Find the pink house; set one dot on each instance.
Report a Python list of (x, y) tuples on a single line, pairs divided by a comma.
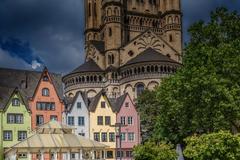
[(130, 134)]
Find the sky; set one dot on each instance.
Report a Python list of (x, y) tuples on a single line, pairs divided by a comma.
[(37, 33)]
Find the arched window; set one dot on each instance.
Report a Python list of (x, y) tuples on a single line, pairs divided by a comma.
[(176, 20), (109, 59), (170, 20), (139, 89), (170, 38), (89, 10), (110, 32), (112, 58), (45, 92), (95, 10)]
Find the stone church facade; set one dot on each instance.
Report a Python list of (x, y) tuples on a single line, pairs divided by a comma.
[(130, 45)]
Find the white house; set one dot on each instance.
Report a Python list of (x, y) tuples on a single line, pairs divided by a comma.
[(77, 115)]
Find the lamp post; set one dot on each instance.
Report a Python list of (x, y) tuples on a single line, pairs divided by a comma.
[(118, 127)]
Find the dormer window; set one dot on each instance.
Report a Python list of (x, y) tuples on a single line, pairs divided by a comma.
[(45, 78), (15, 102), (45, 92)]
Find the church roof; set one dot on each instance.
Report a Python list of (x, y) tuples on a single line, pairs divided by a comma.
[(150, 55), (99, 45), (27, 80), (89, 66)]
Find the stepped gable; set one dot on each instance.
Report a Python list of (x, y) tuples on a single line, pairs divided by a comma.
[(150, 55), (89, 66), (27, 80)]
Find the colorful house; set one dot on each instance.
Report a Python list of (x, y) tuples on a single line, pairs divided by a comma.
[(77, 114), (15, 119), (46, 104), (130, 131), (102, 119)]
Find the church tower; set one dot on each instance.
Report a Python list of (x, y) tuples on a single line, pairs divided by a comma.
[(92, 19), (171, 22)]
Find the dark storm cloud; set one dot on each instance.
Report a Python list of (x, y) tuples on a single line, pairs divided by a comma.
[(53, 29)]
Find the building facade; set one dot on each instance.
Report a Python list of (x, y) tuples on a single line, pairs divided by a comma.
[(45, 104), (102, 117), (130, 132), (130, 45), (15, 119), (77, 114)]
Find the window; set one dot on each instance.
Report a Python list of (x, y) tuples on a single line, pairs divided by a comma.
[(126, 104), (73, 156), (81, 121), (107, 120), (45, 78), (170, 38), (104, 137), (100, 120), (45, 106), (118, 154), (130, 120), (79, 105), (71, 121), (96, 136), (45, 92), (53, 118), (81, 134), (39, 120), (129, 154), (7, 135), (109, 154), (15, 102), (123, 120), (15, 118), (89, 9), (103, 105), (110, 32), (131, 137), (123, 136), (22, 155), (111, 137), (140, 89), (22, 135)]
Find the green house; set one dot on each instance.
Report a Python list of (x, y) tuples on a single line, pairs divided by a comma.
[(15, 119)]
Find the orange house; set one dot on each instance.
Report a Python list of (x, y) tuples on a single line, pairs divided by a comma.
[(46, 103)]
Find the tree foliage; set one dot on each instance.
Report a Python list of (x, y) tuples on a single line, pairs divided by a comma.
[(204, 95), (151, 151), (222, 145), (149, 110)]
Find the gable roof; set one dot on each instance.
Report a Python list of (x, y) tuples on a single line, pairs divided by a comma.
[(150, 55), (89, 66), (94, 101), (7, 93), (117, 103), (70, 101), (27, 80)]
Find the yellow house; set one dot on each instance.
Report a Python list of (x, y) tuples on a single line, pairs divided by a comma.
[(102, 119)]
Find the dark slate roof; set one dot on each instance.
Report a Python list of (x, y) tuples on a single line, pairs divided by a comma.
[(117, 103), (150, 55), (99, 45), (89, 66), (70, 101), (94, 101), (27, 81), (7, 92), (111, 68)]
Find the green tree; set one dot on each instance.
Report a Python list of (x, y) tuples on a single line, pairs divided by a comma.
[(149, 110), (151, 151), (204, 95), (222, 145)]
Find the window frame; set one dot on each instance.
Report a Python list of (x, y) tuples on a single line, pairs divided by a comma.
[(16, 104), (19, 135), (45, 92), (11, 135)]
